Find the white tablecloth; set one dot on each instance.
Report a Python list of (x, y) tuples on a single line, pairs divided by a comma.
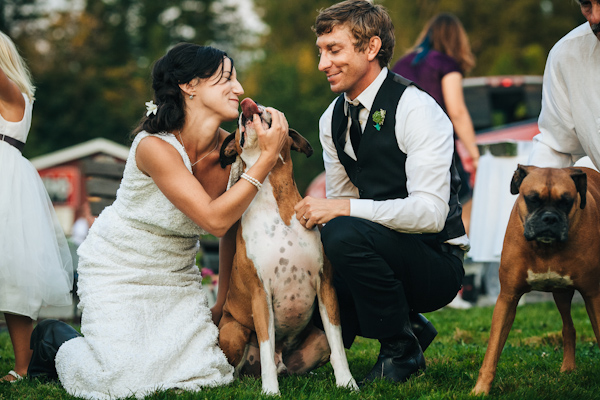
[(493, 202)]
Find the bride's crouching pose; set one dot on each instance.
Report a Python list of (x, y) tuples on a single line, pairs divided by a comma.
[(145, 322)]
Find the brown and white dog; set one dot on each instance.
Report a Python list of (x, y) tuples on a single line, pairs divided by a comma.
[(552, 245), (279, 274)]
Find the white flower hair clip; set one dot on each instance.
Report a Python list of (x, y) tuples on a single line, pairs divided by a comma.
[(151, 108)]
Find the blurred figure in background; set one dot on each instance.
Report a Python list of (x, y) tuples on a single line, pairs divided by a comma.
[(35, 263), (82, 224), (437, 63)]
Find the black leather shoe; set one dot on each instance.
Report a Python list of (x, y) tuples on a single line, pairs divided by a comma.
[(398, 360), (423, 329)]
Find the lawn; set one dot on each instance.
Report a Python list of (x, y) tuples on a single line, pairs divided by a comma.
[(528, 369)]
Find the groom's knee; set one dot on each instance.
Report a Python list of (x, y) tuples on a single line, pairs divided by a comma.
[(340, 237)]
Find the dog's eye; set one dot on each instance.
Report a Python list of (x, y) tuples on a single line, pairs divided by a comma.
[(565, 203), (533, 200)]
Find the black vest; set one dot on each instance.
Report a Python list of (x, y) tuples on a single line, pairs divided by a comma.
[(379, 151)]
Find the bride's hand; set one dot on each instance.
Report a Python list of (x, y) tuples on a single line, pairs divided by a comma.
[(273, 139)]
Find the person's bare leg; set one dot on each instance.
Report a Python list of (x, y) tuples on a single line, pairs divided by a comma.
[(19, 329), (466, 214)]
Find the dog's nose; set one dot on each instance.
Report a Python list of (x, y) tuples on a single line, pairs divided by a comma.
[(549, 218)]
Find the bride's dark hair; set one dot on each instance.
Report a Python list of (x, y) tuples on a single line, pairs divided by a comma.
[(181, 64)]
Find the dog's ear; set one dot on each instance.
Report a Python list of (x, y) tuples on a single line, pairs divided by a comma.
[(520, 174), (228, 151), (580, 179), (299, 143)]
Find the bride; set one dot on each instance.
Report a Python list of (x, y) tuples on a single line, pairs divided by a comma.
[(145, 322)]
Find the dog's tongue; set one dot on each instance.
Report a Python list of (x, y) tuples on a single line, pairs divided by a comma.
[(249, 108)]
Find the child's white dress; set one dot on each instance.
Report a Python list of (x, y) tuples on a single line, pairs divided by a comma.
[(36, 268), (145, 321)]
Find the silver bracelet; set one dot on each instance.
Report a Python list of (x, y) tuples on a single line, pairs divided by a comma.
[(252, 180)]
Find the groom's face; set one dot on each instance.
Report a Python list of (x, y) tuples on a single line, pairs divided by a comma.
[(345, 66)]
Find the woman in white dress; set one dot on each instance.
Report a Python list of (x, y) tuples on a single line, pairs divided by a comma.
[(145, 322), (35, 264)]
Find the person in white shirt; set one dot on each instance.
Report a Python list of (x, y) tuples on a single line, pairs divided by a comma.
[(569, 122), (82, 224), (393, 229)]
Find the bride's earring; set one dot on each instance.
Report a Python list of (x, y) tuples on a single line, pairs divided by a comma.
[(191, 96)]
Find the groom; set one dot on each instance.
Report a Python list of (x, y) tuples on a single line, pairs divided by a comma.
[(393, 228)]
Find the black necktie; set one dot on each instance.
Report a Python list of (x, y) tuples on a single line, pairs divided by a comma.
[(355, 131)]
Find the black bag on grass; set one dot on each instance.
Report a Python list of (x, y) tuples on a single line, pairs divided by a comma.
[(46, 338)]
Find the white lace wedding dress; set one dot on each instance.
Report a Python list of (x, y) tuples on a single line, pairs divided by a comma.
[(145, 322)]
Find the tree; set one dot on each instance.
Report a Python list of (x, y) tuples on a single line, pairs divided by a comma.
[(506, 37), (92, 66)]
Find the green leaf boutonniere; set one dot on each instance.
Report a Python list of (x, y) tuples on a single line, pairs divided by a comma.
[(378, 118)]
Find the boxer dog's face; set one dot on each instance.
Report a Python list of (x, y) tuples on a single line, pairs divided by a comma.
[(547, 205)]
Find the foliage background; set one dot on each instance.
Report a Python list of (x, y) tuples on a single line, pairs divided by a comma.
[(91, 60)]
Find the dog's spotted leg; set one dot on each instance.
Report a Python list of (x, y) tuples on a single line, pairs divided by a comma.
[(563, 303), (313, 352), (233, 340), (264, 323), (251, 366), (329, 310)]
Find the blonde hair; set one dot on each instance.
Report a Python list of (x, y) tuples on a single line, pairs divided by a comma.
[(447, 35), (14, 66)]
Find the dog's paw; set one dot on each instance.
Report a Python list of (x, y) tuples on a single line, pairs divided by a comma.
[(270, 386), (269, 392), (348, 384)]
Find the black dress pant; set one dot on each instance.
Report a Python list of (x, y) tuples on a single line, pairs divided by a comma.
[(380, 275)]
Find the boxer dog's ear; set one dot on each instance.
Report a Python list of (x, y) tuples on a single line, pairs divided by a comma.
[(228, 151), (300, 144), (580, 179), (518, 176)]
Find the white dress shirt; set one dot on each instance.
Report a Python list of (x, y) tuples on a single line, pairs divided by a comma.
[(424, 133), (570, 118)]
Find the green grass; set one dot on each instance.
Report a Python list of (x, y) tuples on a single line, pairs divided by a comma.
[(528, 368)]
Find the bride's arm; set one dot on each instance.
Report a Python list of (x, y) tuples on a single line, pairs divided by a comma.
[(226, 252), (163, 163)]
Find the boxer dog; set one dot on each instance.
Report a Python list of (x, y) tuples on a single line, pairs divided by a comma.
[(551, 245), (279, 274)]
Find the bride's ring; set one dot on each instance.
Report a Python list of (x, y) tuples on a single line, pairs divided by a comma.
[(306, 219)]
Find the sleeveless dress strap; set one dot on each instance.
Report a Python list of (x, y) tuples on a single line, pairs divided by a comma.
[(167, 137)]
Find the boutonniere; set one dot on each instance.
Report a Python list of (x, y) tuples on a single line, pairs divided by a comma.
[(378, 118), (151, 108)]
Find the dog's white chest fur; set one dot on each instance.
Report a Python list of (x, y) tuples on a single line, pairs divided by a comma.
[(547, 281), (288, 260)]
